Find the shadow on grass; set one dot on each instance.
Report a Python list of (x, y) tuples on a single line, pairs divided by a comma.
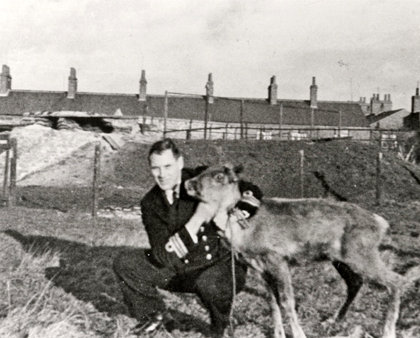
[(86, 272)]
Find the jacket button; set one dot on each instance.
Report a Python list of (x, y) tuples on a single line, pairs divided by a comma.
[(204, 238), (186, 261), (202, 229), (207, 248), (208, 256)]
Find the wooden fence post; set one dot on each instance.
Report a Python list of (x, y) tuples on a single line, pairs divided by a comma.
[(165, 114), (312, 123), (378, 179), (241, 119), (302, 158), (280, 120), (206, 119), (96, 179), (339, 123), (13, 168), (6, 176)]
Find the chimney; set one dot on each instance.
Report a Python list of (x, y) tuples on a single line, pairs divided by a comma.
[(375, 104), (5, 81), (313, 94), (209, 90), (272, 91), (71, 94), (364, 106), (415, 101), (143, 86), (387, 104)]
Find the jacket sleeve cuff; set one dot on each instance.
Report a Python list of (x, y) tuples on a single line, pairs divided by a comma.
[(180, 243)]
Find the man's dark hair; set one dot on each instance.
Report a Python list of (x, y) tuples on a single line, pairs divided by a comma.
[(166, 144)]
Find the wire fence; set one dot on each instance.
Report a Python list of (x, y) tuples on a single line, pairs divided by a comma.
[(390, 139)]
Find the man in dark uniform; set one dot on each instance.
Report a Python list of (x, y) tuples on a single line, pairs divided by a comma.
[(183, 257)]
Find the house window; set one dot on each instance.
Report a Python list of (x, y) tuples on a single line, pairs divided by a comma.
[(389, 141), (297, 135)]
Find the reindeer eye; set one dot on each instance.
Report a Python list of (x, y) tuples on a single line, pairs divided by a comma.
[(247, 193), (219, 177)]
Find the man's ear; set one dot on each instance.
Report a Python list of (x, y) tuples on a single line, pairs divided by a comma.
[(181, 162)]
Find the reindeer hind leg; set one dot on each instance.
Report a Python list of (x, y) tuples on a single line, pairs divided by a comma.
[(353, 281), (369, 265)]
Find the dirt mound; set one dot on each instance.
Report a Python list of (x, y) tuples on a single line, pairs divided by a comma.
[(344, 169)]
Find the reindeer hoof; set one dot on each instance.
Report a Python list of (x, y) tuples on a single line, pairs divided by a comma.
[(328, 322), (357, 332)]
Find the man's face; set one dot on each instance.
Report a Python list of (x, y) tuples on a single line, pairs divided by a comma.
[(166, 169)]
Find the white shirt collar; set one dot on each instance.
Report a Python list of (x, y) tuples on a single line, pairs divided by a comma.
[(170, 193)]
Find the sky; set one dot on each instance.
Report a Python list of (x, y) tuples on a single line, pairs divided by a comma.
[(353, 48)]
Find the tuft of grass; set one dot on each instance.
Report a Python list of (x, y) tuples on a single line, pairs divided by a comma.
[(32, 307)]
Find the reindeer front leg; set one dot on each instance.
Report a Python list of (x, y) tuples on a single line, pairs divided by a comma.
[(287, 298), (274, 304)]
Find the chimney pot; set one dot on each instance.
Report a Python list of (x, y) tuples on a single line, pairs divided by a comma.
[(5, 81), (71, 94), (272, 91), (313, 90), (415, 101), (143, 86), (210, 89)]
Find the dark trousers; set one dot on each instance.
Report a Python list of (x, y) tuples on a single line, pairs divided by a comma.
[(213, 285)]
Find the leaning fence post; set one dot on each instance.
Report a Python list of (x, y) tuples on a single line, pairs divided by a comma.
[(378, 179), (302, 157), (13, 168), (96, 178)]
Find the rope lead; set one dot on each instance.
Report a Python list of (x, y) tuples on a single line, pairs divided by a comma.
[(232, 255)]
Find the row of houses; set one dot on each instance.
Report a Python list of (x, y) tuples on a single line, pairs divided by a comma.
[(270, 112)]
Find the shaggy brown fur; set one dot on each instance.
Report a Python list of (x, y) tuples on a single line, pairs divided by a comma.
[(286, 229)]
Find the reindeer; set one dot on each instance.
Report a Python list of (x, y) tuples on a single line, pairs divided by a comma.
[(310, 228)]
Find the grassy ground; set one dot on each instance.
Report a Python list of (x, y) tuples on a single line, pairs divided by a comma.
[(56, 277), (57, 269)]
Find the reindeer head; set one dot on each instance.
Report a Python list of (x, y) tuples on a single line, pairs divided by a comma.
[(216, 186)]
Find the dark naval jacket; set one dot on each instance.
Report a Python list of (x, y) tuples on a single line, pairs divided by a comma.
[(171, 244)]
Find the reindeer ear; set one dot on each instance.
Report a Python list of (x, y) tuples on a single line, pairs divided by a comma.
[(238, 169), (229, 170)]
